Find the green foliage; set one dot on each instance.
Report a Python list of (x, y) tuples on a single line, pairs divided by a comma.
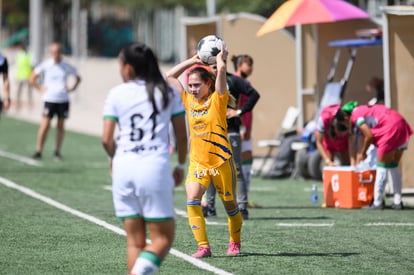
[(262, 7)]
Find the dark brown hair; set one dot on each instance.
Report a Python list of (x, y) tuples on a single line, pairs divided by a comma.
[(240, 59), (145, 65)]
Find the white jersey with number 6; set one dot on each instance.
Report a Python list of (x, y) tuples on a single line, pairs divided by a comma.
[(141, 130), (142, 183)]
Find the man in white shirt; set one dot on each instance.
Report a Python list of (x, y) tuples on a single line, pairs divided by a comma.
[(55, 91)]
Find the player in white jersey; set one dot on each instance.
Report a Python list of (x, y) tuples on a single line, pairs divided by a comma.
[(142, 184), (55, 92)]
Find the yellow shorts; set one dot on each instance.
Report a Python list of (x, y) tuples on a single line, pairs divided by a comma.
[(223, 177)]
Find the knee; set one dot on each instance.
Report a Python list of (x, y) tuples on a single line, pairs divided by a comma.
[(136, 243), (230, 205), (194, 191), (164, 241)]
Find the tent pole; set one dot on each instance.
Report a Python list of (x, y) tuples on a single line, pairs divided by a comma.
[(299, 73), (386, 60)]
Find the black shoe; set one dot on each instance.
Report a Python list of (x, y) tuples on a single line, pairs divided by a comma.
[(209, 211), (204, 209), (37, 155), (372, 206), (245, 214), (57, 156), (399, 206)]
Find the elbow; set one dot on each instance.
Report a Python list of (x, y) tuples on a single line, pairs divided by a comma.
[(105, 145), (106, 142), (31, 81)]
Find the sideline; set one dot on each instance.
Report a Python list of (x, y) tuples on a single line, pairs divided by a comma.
[(389, 224), (25, 160), (305, 224), (198, 263)]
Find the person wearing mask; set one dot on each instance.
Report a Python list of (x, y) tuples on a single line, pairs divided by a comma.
[(243, 68)]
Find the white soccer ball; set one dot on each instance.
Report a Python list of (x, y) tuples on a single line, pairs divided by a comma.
[(208, 48)]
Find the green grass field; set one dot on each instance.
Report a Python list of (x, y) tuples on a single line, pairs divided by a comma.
[(57, 218)]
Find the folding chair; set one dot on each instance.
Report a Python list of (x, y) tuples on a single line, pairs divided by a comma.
[(288, 126)]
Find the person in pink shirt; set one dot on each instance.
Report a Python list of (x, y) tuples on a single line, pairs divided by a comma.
[(389, 132), (327, 142)]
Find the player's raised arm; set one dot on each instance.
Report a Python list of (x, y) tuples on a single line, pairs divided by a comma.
[(173, 74), (221, 83)]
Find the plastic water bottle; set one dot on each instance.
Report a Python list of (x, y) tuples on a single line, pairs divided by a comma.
[(314, 195)]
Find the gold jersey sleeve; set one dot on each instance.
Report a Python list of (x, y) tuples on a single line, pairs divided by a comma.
[(209, 142)]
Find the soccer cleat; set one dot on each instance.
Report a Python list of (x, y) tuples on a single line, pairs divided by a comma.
[(202, 252), (399, 206), (57, 156), (234, 249), (252, 204), (245, 214), (209, 211), (37, 155), (372, 206)]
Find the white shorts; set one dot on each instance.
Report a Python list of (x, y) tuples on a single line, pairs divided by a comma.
[(142, 187), (247, 145)]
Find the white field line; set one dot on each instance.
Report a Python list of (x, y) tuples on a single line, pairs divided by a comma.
[(107, 187), (305, 224), (179, 212), (19, 158), (198, 263), (390, 224), (263, 188)]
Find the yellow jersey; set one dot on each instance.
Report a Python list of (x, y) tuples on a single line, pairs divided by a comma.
[(209, 142), (24, 65)]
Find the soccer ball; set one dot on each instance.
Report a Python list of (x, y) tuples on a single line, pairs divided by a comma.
[(208, 48)]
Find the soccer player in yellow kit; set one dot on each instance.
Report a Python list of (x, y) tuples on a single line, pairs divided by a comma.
[(210, 150)]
